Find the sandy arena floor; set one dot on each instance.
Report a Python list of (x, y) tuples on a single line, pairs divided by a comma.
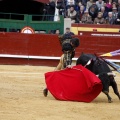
[(21, 98)]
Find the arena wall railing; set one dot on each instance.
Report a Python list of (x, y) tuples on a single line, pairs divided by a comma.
[(39, 23), (45, 49)]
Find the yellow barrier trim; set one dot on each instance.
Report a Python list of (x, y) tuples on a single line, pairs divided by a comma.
[(76, 29)]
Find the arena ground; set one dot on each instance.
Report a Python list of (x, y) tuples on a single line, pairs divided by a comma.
[(21, 98)]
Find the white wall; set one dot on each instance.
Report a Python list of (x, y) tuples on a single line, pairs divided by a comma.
[(67, 23)]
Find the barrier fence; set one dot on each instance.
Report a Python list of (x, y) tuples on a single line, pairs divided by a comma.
[(13, 22), (44, 49)]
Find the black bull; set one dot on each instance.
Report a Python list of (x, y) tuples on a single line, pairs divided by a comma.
[(100, 68)]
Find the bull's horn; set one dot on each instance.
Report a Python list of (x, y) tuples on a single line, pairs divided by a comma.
[(88, 63), (110, 73), (97, 75)]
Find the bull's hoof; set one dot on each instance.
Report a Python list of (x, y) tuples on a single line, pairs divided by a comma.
[(110, 101), (119, 97), (45, 92)]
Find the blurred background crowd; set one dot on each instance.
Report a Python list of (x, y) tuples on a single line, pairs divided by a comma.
[(85, 11)]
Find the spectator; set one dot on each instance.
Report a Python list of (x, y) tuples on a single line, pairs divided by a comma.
[(99, 19), (77, 7), (118, 5), (68, 32), (79, 14), (114, 13), (105, 6), (51, 32), (109, 19), (83, 2), (70, 3), (71, 13), (77, 1), (115, 1), (50, 10), (100, 3), (66, 36), (109, 5), (114, 5), (86, 18), (117, 21), (57, 32), (89, 3), (93, 10), (105, 14), (60, 6)]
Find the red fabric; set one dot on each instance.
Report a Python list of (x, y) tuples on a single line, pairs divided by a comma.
[(73, 84), (42, 1)]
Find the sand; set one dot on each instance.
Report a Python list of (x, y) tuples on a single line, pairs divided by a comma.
[(21, 98)]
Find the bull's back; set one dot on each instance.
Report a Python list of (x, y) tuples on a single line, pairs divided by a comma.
[(97, 66), (101, 67)]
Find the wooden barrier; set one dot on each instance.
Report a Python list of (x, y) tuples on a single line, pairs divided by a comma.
[(44, 49), (77, 27)]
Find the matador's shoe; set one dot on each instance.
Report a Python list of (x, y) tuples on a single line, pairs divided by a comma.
[(45, 92)]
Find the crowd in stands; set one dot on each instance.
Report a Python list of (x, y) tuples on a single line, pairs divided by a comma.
[(57, 32), (86, 11)]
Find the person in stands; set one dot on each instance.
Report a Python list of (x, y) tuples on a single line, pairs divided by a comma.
[(89, 3), (100, 3), (57, 32), (69, 3), (110, 20), (118, 5), (99, 19), (93, 10), (108, 5), (79, 14), (114, 13), (50, 10), (105, 14), (71, 13), (117, 21), (68, 31), (86, 18)]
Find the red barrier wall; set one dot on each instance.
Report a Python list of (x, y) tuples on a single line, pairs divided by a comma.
[(48, 45), (29, 44)]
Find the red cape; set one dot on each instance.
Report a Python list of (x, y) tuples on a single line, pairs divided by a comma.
[(73, 84)]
